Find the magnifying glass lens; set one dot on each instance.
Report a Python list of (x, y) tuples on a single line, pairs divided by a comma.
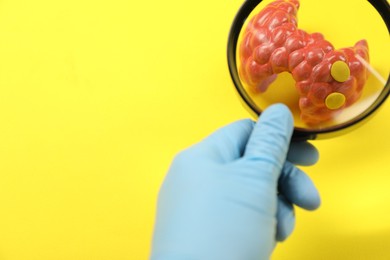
[(328, 61)]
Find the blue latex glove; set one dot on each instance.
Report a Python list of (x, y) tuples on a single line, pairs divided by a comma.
[(231, 196)]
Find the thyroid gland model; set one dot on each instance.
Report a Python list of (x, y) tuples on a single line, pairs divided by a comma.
[(327, 80)]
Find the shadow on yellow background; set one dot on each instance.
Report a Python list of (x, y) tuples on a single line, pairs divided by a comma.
[(97, 97)]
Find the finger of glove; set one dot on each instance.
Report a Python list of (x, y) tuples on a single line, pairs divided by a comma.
[(270, 138), (227, 143), (302, 153), (285, 219), (298, 188)]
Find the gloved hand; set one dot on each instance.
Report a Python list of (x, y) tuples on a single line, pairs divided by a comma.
[(231, 196)]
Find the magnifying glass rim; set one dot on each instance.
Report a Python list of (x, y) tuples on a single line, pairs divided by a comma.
[(382, 7)]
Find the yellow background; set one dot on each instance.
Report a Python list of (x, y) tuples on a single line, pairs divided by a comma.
[(96, 97)]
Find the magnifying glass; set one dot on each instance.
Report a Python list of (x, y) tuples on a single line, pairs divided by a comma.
[(328, 61)]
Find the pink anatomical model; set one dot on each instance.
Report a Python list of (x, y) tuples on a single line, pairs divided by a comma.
[(327, 80)]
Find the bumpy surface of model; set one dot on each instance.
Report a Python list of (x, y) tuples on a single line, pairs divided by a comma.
[(327, 80)]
